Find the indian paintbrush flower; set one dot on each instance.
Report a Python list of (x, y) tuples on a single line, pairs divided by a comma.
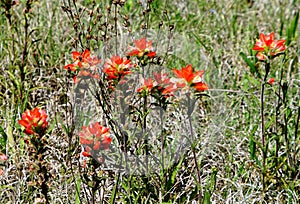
[(83, 65), (142, 48), (147, 87), (188, 78), (34, 121), (268, 47), (117, 67), (94, 137)]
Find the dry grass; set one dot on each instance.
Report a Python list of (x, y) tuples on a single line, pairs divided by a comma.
[(210, 35)]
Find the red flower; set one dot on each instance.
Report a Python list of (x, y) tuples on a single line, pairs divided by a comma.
[(82, 60), (147, 87), (162, 79), (200, 86), (263, 42), (85, 58), (267, 46), (261, 56), (271, 81), (142, 47), (106, 142), (87, 152), (117, 67), (164, 85), (277, 47), (3, 157), (190, 78), (71, 67), (34, 121), (94, 137)]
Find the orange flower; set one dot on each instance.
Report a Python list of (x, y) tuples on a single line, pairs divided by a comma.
[(164, 85), (34, 121), (271, 81), (261, 56), (117, 67), (85, 58), (200, 86), (94, 137), (147, 87), (190, 78), (82, 60), (162, 79), (267, 46), (71, 67), (185, 73), (264, 41), (142, 47), (87, 152)]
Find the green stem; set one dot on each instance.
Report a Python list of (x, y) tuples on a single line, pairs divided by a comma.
[(144, 132), (190, 110), (264, 150)]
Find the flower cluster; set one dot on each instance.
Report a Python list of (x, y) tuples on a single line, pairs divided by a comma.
[(142, 48), (34, 121), (188, 78), (117, 67), (83, 65), (161, 86), (268, 47), (94, 138)]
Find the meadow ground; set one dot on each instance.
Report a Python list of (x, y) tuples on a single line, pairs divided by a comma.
[(223, 130)]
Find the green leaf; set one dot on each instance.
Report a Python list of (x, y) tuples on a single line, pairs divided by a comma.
[(10, 138), (251, 64), (114, 192), (77, 198), (3, 139), (51, 127), (291, 30), (206, 198), (252, 149)]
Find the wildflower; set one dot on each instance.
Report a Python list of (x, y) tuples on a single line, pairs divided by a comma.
[(71, 67), (260, 56), (87, 152), (147, 87), (164, 85), (142, 48), (267, 46), (200, 86), (94, 137), (85, 59), (34, 121), (117, 67), (190, 78), (162, 79), (82, 60), (271, 81)]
